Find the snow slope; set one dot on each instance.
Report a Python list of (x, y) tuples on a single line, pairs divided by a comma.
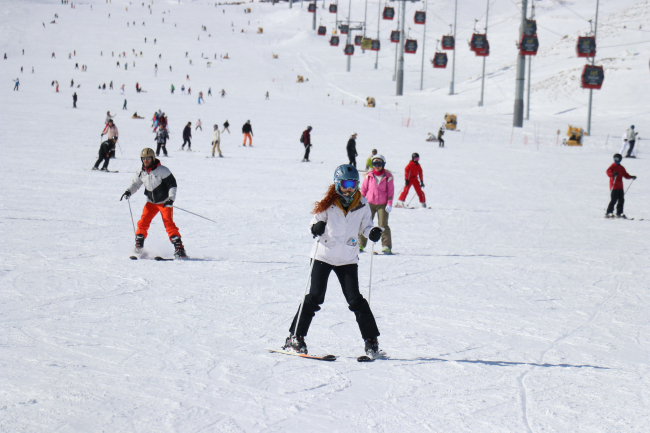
[(511, 306)]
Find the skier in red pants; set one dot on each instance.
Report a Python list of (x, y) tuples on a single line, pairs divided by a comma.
[(413, 177)]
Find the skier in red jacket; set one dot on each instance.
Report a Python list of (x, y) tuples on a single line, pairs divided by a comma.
[(616, 173), (413, 177)]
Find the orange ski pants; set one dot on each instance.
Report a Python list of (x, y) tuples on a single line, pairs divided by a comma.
[(151, 210), (413, 182), (247, 135)]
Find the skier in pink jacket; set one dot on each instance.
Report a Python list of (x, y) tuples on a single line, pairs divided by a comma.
[(378, 189)]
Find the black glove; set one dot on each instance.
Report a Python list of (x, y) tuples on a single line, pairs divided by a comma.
[(422, 184), (375, 234), (318, 229), (407, 182), (169, 203), (633, 177), (615, 174), (126, 195)]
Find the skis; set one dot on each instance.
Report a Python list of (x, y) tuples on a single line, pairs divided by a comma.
[(157, 258), (304, 355), (367, 358), (377, 253), (105, 171)]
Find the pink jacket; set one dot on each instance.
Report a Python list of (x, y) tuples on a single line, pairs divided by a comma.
[(378, 194)]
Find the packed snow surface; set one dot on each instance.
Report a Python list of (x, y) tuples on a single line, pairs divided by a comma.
[(511, 306)]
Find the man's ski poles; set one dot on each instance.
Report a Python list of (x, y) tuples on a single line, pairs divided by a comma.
[(118, 145), (302, 300), (628, 187), (176, 207), (128, 200)]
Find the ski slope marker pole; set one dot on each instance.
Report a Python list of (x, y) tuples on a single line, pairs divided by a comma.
[(302, 300), (128, 200), (176, 207)]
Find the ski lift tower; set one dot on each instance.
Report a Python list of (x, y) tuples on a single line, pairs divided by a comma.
[(518, 120), (346, 25), (400, 61)]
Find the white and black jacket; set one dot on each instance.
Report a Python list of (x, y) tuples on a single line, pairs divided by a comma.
[(159, 183)]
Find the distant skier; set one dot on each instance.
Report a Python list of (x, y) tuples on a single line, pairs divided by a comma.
[(111, 130), (226, 125), (216, 141), (105, 150), (413, 177), (338, 219), (267, 95), (305, 139), (352, 150), (173, 88), (124, 106), (72, 83), (369, 160), (201, 100), (161, 139), (629, 139), (16, 83), (209, 91), (109, 116), (441, 142), (223, 93), (198, 125), (378, 188), (187, 137), (160, 189), (247, 130), (74, 100), (616, 173)]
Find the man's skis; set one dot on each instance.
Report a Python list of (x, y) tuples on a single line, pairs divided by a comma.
[(366, 358), (157, 258), (304, 355)]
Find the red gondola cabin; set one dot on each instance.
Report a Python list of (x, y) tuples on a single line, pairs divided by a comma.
[(530, 28), (334, 41), (311, 7), (410, 46), (586, 46), (389, 13), (420, 17), (344, 29), (357, 40), (478, 43), (448, 43), (592, 77), (440, 60), (376, 45), (528, 45), (349, 50), (322, 30), (334, 8), (394, 36), (484, 53)]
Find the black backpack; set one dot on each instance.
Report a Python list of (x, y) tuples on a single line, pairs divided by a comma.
[(302, 137)]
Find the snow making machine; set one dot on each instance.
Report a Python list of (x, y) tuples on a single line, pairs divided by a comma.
[(575, 135), (370, 102), (450, 121)]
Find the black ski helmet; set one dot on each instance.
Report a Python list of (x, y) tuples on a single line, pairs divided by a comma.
[(618, 157), (415, 155)]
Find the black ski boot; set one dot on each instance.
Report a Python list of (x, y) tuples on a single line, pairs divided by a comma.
[(295, 344), (372, 347), (179, 250), (139, 243)]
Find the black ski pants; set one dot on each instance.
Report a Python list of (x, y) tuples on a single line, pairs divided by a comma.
[(353, 159), (629, 151), (307, 149), (441, 142), (348, 276), (188, 142), (163, 147), (618, 195), (104, 155)]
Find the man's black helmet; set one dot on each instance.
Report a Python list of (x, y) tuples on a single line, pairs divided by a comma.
[(415, 155)]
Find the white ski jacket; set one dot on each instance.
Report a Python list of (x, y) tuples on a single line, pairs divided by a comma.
[(159, 184), (631, 134), (339, 245), (215, 137)]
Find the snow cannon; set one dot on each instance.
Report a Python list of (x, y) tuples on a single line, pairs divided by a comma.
[(575, 135), (450, 121), (370, 101)]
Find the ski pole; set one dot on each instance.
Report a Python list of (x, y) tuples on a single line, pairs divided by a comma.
[(372, 255), (409, 203), (131, 212), (118, 145), (176, 207), (302, 300), (628, 187)]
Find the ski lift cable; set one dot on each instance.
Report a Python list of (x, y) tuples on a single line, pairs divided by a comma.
[(578, 15), (624, 28)]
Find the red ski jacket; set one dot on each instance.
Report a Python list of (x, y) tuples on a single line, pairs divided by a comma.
[(412, 171), (617, 183)]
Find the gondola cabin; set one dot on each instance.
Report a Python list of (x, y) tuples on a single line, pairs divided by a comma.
[(529, 45), (420, 17), (478, 42), (334, 41), (334, 8), (448, 43), (484, 53), (366, 43), (376, 45), (322, 30), (592, 77), (440, 60), (357, 40), (394, 36), (530, 28), (344, 28), (311, 7), (349, 50), (389, 13), (586, 46), (410, 46)]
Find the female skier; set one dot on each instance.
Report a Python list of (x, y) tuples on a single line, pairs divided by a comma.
[(338, 220)]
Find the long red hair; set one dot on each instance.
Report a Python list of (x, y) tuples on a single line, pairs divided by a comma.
[(327, 201)]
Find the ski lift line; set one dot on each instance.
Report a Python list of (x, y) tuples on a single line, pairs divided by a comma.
[(562, 4), (624, 28)]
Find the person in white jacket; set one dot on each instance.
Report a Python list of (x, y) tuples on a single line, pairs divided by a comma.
[(216, 138), (338, 220), (629, 139)]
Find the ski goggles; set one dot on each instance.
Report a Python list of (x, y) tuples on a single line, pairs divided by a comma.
[(377, 163), (348, 183)]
